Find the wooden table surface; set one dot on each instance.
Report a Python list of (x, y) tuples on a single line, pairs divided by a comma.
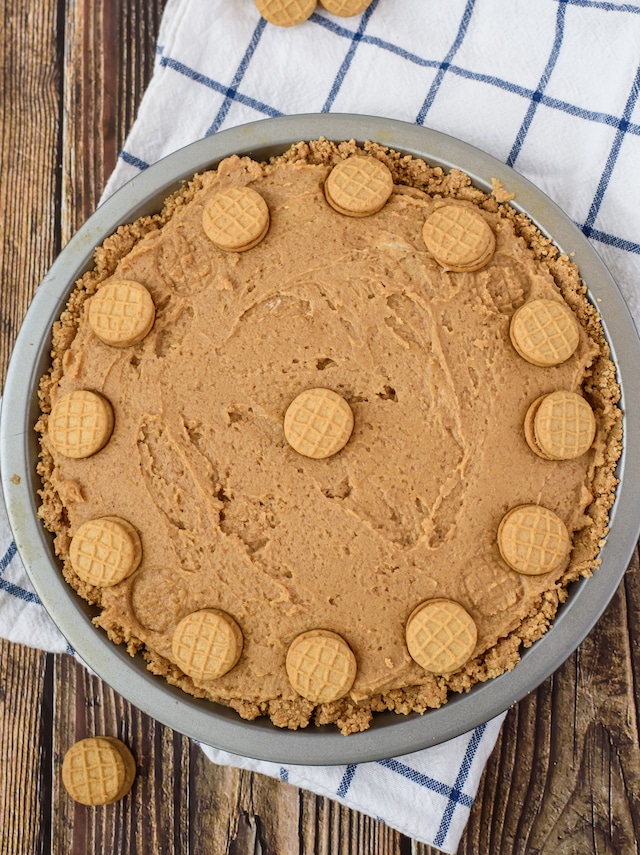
[(565, 773)]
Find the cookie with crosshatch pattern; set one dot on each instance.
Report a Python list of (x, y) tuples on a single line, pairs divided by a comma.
[(345, 8), (121, 313), (441, 635), (321, 666), (105, 551), (80, 423), (358, 186), (206, 644), (236, 219), (98, 770), (286, 13), (560, 426), (544, 332), (459, 238), (318, 423), (533, 540)]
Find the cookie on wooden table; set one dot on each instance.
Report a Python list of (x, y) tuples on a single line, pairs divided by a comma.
[(98, 770)]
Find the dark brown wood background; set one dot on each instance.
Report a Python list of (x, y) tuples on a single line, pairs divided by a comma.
[(564, 778)]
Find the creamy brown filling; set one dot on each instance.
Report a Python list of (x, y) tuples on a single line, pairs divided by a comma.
[(232, 518)]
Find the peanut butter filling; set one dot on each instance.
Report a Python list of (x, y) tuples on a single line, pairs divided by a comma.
[(232, 518)]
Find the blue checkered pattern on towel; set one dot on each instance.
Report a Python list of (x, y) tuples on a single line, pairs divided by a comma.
[(426, 795), (22, 616), (551, 88)]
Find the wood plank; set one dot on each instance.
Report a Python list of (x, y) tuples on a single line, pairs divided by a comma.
[(153, 817), (29, 143), (109, 56), (23, 771), (30, 100), (243, 812)]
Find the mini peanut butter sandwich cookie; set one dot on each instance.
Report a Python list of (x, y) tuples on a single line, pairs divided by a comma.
[(286, 13), (98, 770), (560, 426), (321, 666), (121, 313), (345, 8), (441, 635), (544, 332), (533, 540), (80, 424), (318, 423), (459, 238), (207, 644), (236, 219), (358, 186), (105, 551)]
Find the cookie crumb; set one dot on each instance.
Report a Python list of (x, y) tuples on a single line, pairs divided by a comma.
[(499, 193)]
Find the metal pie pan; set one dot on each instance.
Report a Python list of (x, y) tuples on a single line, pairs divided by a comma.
[(390, 734)]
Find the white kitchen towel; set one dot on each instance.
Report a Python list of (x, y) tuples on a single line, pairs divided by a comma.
[(550, 88)]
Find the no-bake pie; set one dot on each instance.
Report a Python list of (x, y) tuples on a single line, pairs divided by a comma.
[(329, 435)]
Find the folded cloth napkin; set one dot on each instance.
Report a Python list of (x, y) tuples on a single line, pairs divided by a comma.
[(535, 84)]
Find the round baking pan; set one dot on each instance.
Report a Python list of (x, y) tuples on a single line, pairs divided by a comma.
[(390, 734)]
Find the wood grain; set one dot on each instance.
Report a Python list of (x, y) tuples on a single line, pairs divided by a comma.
[(109, 50), (25, 773), (30, 63), (565, 775)]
